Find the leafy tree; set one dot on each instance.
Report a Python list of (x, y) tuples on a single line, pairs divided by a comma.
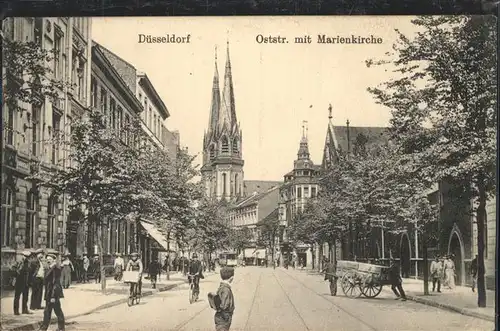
[(27, 74), (239, 238), (268, 231), (444, 106)]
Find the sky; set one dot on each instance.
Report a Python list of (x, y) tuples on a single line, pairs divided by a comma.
[(276, 86)]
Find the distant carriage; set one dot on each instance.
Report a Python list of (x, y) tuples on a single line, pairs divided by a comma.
[(358, 279)]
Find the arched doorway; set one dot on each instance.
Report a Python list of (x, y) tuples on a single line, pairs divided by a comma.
[(405, 255), (456, 247)]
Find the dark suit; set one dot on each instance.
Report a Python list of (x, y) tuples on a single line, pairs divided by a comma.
[(195, 268), (53, 292), (395, 278), (37, 284), (23, 275)]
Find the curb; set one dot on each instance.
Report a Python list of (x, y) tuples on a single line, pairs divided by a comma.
[(36, 325), (462, 311)]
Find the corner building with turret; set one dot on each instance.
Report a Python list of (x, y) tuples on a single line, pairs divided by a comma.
[(222, 170)]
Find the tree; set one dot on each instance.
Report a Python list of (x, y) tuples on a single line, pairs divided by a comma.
[(239, 238), (28, 74), (268, 231), (444, 106)]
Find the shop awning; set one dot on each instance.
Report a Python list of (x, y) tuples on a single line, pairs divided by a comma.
[(156, 234), (252, 252)]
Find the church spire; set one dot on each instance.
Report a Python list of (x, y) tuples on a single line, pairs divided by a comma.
[(215, 106), (303, 153), (228, 110)]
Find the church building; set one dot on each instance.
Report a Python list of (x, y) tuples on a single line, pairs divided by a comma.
[(222, 170)]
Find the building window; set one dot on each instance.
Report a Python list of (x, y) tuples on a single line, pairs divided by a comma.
[(225, 145), (127, 128), (58, 39), (104, 104), (313, 192), (56, 133), (153, 125), (299, 192), (52, 222), (112, 111), (38, 31), (35, 128), (10, 125), (7, 217), (224, 183), (235, 146), (150, 123), (212, 152), (81, 85), (306, 192), (236, 184), (31, 220), (119, 119), (93, 92)]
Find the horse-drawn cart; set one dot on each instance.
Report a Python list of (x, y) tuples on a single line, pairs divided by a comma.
[(358, 279)]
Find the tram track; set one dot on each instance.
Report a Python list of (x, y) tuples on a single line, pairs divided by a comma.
[(291, 302), (338, 307), (253, 302)]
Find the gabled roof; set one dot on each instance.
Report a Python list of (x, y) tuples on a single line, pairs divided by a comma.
[(98, 57), (146, 83), (255, 198), (259, 186)]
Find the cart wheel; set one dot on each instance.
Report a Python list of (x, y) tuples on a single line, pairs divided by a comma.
[(370, 288), (351, 285)]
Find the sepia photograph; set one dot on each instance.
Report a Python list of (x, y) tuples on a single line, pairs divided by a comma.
[(249, 173)]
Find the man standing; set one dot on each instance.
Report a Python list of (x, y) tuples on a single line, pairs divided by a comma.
[(22, 283), (195, 269), (396, 281), (330, 270), (436, 274), (154, 269), (119, 265), (53, 294), (473, 272), (39, 268)]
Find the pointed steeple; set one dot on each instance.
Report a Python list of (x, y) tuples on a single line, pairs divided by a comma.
[(303, 153), (228, 111), (215, 106)]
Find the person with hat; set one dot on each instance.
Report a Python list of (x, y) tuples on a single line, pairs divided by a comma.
[(67, 268), (22, 283), (196, 269), (96, 268), (39, 268), (396, 281), (53, 294), (119, 265), (135, 264), (436, 274)]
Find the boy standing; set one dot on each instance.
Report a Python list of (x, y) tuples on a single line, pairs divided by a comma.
[(225, 308)]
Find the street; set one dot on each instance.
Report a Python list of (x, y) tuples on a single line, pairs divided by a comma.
[(279, 299)]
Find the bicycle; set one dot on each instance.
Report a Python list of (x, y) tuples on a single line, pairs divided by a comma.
[(132, 278), (192, 296)]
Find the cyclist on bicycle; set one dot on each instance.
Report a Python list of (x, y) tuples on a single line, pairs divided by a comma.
[(135, 264), (196, 271)]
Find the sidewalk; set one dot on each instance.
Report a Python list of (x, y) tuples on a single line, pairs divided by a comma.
[(461, 299), (84, 299)]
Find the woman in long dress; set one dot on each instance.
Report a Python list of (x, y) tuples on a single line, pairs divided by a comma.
[(449, 271), (67, 268)]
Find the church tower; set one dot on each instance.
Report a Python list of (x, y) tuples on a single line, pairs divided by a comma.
[(222, 170)]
